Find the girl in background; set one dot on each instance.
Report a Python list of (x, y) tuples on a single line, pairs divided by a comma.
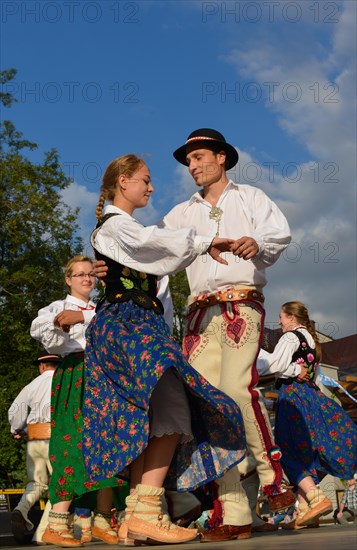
[(60, 327), (315, 434)]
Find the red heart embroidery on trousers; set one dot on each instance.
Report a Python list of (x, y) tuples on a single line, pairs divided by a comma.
[(236, 329)]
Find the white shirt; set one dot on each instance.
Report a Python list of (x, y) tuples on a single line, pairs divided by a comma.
[(54, 339), (247, 211), (279, 362), (149, 249), (33, 404)]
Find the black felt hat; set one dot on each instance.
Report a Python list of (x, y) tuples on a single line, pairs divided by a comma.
[(206, 138), (46, 358)]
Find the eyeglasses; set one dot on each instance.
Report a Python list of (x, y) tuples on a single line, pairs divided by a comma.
[(83, 275)]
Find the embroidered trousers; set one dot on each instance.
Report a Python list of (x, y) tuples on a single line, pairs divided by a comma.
[(222, 343)]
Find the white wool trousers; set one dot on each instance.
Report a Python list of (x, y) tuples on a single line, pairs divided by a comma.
[(39, 470)]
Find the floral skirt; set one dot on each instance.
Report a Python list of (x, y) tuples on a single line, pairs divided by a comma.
[(128, 350), (69, 478), (315, 434)]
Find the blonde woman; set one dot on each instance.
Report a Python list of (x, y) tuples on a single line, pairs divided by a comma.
[(60, 327)]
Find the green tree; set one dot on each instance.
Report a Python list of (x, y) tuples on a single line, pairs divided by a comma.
[(179, 291), (38, 234)]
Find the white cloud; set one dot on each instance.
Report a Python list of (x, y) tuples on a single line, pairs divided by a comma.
[(319, 267), (78, 196)]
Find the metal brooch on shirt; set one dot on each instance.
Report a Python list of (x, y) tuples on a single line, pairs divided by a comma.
[(216, 215)]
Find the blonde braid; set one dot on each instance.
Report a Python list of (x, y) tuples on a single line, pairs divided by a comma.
[(99, 209)]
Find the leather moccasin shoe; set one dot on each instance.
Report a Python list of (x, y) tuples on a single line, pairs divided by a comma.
[(60, 538), (151, 533), (226, 532), (295, 526), (265, 528), (124, 539), (292, 526), (108, 536), (323, 508), (281, 501)]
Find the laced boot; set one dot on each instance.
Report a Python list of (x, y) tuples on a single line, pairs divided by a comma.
[(102, 528), (319, 505), (59, 531), (130, 503), (149, 524)]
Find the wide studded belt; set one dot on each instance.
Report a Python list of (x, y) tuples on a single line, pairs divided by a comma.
[(39, 431), (233, 295)]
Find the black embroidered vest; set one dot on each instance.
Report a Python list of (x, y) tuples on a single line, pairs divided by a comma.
[(122, 283), (304, 354)]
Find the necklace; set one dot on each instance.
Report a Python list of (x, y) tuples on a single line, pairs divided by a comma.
[(216, 215)]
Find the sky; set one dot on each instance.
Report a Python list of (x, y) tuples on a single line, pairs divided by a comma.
[(99, 79)]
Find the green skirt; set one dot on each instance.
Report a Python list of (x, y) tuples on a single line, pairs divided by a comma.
[(69, 479)]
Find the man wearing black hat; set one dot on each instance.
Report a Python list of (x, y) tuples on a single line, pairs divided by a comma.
[(29, 415), (225, 311), (224, 325)]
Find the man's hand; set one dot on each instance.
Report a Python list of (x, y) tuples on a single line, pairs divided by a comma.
[(245, 247), (304, 375), (100, 269), (217, 246), (19, 435), (67, 318)]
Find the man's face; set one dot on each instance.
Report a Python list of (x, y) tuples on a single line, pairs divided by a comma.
[(205, 166)]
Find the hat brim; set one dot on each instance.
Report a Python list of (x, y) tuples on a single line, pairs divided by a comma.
[(48, 359), (231, 153)]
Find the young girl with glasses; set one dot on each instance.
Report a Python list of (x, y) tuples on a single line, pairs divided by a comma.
[(60, 327)]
